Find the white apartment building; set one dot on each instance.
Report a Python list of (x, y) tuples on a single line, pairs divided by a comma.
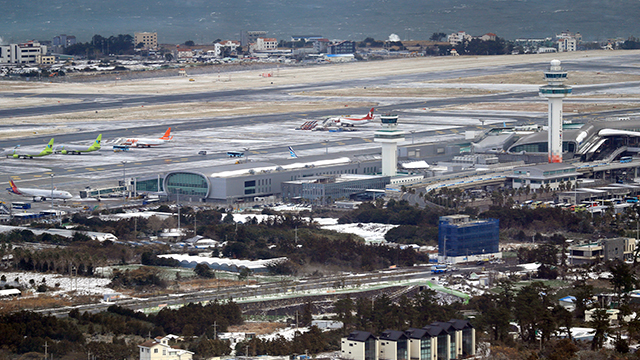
[(220, 47), (26, 53), (567, 44), (265, 44), (456, 38), (149, 39)]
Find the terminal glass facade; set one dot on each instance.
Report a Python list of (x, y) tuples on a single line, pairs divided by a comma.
[(402, 349), (467, 238), (425, 349), (187, 184)]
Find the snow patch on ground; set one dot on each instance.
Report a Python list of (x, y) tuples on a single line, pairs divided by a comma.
[(83, 285)]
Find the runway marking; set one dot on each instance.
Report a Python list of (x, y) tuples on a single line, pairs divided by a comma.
[(440, 132), (341, 143), (181, 159), (368, 140), (70, 170), (167, 160), (90, 169), (37, 176), (16, 177), (479, 127), (100, 169), (454, 131), (120, 165), (137, 163)]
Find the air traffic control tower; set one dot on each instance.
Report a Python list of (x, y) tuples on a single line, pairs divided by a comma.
[(555, 91), (389, 136)]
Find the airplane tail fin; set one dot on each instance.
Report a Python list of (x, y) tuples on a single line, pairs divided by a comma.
[(14, 188), (50, 144), (370, 114), (167, 135), (293, 153), (96, 143)]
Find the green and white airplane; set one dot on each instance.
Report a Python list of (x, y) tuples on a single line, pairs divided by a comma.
[(17, 152), (76, 149)]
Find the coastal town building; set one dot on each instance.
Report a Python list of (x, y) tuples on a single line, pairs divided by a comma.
[(227, 47), (249, 37), (265, 44), (25, 53), (342, 47), (148, 39), (458, 37)]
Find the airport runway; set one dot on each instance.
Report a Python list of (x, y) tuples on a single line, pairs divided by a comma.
[(424, 120)]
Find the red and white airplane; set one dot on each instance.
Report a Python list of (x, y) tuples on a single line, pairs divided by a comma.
[(39, 194), (149, 142), (353, 121)]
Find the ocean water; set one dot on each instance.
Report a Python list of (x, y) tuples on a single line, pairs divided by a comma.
[(205, 21)]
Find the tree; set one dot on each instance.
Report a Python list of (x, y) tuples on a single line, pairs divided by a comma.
[(531, 311), (244, 273), (189, 43), (344, 312), (307, 314), (600, 322), (437, 36), (204, 271)]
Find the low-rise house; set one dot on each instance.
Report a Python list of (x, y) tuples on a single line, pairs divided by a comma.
[(159, 349)]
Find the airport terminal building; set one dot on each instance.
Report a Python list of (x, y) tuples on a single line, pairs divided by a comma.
[(246, 181)]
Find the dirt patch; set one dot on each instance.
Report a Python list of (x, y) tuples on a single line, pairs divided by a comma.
[(537, 78), (43, 302), (542, 107), (259, 328)]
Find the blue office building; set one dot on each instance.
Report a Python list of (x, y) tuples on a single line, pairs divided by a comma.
[(462, 239)]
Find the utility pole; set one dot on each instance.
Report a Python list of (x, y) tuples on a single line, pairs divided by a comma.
[(45, 349), (215, 332)]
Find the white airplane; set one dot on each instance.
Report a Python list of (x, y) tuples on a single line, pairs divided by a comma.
[(39, 194), (149, 142), (353, 121), (75, 149), (17, 152)]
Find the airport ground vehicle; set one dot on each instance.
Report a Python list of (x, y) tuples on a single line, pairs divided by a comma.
[(20, 205), (235, 153)]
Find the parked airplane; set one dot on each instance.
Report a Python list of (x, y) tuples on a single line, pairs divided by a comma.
[(17, 152), (76, 149), (148, 142), (293, 153), (353, 121), (38, 194)]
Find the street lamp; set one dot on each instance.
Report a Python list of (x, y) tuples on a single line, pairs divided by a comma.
[(178, 205), (52, 175), (246, 152), (326, 144), (124, 182), (412, 132)]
